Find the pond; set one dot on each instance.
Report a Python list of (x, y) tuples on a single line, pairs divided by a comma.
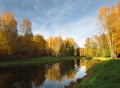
[(54, 75)]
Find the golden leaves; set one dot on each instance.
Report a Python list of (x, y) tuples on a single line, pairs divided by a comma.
[(110, 19)]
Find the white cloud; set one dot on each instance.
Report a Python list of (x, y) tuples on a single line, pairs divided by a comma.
[(66, 9), (57, 13)]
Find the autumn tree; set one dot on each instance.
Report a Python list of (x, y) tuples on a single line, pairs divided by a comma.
[(23, 43), (63, 50), (82, 52), (8, 27), (70, 44), (26, 26), (58, 47), (103, 45), (50, 46), (54, 45), (40, 45), (5, 49), (27, 36), (109, 18)]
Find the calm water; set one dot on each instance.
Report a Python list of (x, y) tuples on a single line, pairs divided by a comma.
[(55, 75)]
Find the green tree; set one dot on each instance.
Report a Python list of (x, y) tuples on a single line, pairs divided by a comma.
[(90, 47)]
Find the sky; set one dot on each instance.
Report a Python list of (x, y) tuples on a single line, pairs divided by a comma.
[(68, 18)]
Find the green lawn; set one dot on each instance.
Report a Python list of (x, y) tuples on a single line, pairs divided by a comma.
[(105, 75), (33, 61)]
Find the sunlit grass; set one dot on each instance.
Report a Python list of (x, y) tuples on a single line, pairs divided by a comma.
[(105, 75), (102, 58)]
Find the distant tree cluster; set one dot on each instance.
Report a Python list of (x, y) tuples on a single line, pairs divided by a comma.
[(56, 46), (98, 46), (25, 43)]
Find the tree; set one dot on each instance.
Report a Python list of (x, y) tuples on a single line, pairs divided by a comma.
[(26, 26), (70, 44), (77, 51), (57, 45), (40, 45), (25, 44), (54, 46), (50, 46), (90, 47), (27, 36), (109, 18), (103, 45), (63, 48), (8, 27)]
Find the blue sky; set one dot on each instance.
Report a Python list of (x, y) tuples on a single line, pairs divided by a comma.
[(68, 18)]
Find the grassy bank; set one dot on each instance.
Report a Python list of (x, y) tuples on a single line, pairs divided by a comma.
[(102, 58), (105, 75), (33, 61)]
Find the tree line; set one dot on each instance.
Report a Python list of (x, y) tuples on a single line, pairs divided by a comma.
[(23, 43)]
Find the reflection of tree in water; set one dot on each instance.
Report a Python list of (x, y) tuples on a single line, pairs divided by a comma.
[(68, 69), (77, 64), (21, 77), (70, 74), (27, 77), (53, 72), (88, 62), (83, 62), (59, 70)]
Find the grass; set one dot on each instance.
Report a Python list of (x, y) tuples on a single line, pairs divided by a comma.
[(102, 58), (105, 75), (33, 61)]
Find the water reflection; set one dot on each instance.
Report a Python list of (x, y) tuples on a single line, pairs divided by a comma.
[(55, 75), (21, 77)]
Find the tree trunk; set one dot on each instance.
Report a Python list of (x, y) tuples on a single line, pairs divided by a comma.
[(113, 54)]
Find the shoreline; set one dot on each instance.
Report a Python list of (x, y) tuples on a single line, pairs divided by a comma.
[(89, 72), (104, 75), (33, 61)]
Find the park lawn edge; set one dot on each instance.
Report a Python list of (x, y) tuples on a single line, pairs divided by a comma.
[(105, 75), (33, 61)]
